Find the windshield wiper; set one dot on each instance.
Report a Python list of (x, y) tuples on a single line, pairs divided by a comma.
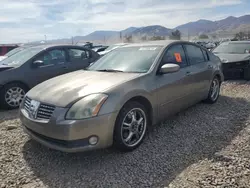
[(109, 70)]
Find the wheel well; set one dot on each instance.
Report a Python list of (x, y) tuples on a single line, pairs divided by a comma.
[(219, 77), (18, 82), (146, 103)]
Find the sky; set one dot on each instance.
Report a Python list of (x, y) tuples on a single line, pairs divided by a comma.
[(29, 20)]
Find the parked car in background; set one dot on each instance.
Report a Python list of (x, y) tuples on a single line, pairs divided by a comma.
[(111, 48), (4, 49), (99, 48), (210, 45), (120, 96), (235, 57), (31, 66)]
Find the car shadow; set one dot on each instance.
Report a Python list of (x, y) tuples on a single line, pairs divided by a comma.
[(170, 147), (6, 115)]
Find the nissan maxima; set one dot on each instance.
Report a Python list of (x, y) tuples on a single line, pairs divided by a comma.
[(120, 96)]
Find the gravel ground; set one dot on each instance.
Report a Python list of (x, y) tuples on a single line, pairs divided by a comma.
[(204, 146)]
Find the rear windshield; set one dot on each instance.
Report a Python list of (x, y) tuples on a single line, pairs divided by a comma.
[(232, 48)]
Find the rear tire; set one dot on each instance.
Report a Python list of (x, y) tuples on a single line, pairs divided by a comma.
[(130, 127), (214, 91), (11, 95)]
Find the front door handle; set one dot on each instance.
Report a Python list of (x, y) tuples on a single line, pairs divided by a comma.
[(188, 73), (210, 66)]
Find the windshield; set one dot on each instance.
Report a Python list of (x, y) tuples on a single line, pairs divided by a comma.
[(21, 57), (128, 59), (10, 53), (233, 48)]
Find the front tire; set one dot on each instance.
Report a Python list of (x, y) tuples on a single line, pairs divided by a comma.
[(12, 95), (131, 126), (214, 91)]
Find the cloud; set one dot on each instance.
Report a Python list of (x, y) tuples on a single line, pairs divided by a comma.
[(32, 19)]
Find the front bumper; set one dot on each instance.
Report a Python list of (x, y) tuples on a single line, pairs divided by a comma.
[(70, 135), (235, 70)]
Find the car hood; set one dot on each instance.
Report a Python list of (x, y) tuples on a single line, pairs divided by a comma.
[(228, 58), (63, 90), (5, 67)]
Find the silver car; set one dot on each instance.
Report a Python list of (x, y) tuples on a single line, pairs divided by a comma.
[(120, 96)]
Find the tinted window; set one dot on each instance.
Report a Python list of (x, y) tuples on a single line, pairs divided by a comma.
[(78, 55), (175, 54), (52, 57), (194, 54), (205, 55), (9, 48)]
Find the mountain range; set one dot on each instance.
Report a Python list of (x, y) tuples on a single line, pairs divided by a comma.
[(228, 25)]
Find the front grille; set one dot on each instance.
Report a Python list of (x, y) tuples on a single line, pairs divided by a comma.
[(236, 65), (27, 104), (44, 111), (235, 70)]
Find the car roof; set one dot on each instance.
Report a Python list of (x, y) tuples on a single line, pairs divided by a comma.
[(163, 43)]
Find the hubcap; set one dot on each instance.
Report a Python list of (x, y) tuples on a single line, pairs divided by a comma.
[(14, 96), (215, 89), (133, 127)]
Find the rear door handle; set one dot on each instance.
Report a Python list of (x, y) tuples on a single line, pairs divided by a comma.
[(188, 73), (210, 66)]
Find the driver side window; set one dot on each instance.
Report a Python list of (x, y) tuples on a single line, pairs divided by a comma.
[(52, 57), (175, 54)]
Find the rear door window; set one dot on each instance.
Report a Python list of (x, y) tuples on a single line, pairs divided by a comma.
[(194, 54), (78, 55), (175, 54)]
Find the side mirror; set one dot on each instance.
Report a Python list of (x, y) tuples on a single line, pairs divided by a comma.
[(37, 63), (169, 68)]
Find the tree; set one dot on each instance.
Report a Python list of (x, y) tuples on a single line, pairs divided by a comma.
[(214, 36), (157, 38), (203, 36), (240, 36), (175, 35), (128, 38), (144, 38)]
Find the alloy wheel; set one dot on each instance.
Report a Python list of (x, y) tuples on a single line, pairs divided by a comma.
[(14, 96), (215, 89), (133, 127)]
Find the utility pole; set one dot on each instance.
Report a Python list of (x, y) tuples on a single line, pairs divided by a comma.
[(72, 40), (45, 37), (121, 36)]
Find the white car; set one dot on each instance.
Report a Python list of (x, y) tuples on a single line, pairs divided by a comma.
[(210, 45)]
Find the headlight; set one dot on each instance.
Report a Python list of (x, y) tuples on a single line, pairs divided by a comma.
[(87, 107)]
